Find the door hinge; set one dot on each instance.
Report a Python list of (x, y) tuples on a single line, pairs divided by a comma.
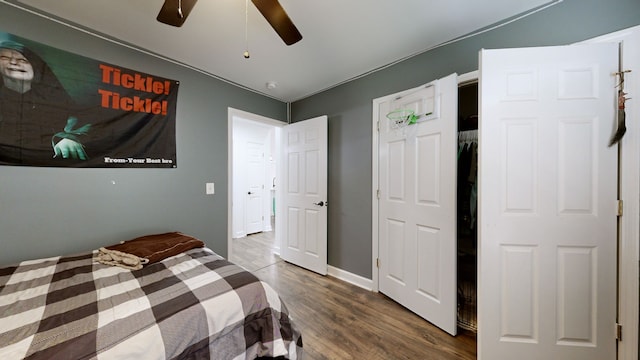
[(378, 262), (378, 125), (620, 207), (619, 332), (378, 194)]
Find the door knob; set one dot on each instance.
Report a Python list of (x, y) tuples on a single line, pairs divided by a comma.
[(249, 193), (321, 203)]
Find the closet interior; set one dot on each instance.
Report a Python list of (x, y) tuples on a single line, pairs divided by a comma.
[(467, 205)]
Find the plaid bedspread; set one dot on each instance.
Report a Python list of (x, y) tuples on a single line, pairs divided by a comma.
[(194, 305)]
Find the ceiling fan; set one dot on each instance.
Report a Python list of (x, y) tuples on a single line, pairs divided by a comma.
[(175, 12)]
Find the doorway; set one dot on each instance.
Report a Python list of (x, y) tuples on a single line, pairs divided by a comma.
[(253, 154), (467, 205)]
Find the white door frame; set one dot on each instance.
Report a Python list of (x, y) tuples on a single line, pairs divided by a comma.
[(231, 114), (375, 236), (629, 180)]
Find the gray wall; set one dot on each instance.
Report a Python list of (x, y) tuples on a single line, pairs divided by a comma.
[(50, 211), (45, 212), (349, 108)]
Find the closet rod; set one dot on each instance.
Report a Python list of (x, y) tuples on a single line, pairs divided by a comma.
[(468, 135)]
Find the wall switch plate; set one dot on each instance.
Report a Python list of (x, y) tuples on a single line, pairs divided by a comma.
[(211, 188)]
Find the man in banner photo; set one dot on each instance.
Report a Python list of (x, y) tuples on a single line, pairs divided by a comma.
[(33, 104), (64, 110)]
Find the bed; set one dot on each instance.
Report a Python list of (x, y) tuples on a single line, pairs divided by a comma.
[(191, 305)]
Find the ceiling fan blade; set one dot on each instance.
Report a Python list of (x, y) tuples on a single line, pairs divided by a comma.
[(175, 12), (279, 20)]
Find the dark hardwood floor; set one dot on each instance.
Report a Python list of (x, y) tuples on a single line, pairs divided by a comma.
[(342, 321)]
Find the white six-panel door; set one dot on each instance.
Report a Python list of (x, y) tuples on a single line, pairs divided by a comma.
[(547, 196), (254, 194), (417, 203), (304, 186)]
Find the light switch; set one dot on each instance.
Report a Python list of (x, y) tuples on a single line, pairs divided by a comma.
[(211, 188)]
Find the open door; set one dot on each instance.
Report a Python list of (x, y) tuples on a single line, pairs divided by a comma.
[(417, 202), (255, 170), (547, 196), (304, 187)]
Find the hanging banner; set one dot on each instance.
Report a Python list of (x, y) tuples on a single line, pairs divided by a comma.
[(64, 110)]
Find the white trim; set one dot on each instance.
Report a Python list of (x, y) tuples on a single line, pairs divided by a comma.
[(470, 77), (374, 193), (629, 241), (351, 278), (231, 114), (629, 179)]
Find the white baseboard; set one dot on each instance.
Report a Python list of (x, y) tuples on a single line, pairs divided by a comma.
[(351, 278)]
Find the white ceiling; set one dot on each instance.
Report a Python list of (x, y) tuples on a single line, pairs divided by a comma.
[(342, 39)]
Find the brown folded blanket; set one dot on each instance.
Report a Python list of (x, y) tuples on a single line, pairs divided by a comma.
[(135, 253)]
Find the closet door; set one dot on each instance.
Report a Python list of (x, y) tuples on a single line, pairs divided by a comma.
[(417, 212), (548, 185)]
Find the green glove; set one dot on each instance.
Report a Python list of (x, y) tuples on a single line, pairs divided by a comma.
[(69, 149), (70, 146)]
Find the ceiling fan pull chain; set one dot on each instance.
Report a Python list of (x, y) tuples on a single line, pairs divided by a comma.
[(180, 9), (246, 30)]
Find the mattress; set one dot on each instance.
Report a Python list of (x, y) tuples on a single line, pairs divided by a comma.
[(192, 305)]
